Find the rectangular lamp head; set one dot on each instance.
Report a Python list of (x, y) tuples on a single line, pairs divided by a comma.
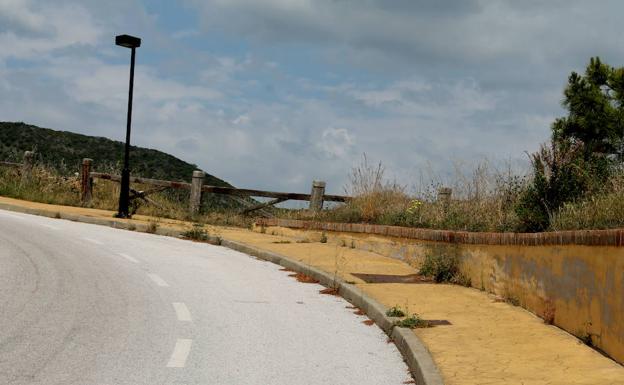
[(128, 41)]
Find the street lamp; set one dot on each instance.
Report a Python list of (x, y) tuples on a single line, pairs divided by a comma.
[(124, 195)]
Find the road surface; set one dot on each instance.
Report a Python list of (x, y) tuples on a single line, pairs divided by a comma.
[(84, 304)]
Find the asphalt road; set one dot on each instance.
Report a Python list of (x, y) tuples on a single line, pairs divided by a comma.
[(84, 304)]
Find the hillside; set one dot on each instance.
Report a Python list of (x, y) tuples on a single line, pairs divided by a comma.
[(64, 151)]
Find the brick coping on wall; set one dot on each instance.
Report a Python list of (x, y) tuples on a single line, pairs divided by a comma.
[(613, 237)]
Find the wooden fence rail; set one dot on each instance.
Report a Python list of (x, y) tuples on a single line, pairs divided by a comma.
[(316, 198), (25, 167), (11, 164)]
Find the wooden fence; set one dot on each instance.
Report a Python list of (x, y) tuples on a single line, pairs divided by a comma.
[(197, 187), (25, 167)]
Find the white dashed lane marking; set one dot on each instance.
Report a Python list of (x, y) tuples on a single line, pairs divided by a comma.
[(95, 241), (180, 353), (182, 311), (129, 258), (157, 280)]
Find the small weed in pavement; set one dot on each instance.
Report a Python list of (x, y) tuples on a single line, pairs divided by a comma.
[(513, 301), (395, 311), (282, 241), (413, 322), (323, 238), (549, 312)]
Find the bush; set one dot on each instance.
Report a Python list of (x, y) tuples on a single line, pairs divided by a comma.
[(562, 173), (442, 264)]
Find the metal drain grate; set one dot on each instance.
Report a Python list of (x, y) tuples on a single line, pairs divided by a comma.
[(387, 278)]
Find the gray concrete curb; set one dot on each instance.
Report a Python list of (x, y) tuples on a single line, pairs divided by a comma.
[(416, 355)]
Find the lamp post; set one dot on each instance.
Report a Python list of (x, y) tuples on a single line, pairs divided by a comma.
[(124, 194)]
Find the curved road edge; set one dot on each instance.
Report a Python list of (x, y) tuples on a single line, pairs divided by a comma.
[(415, 353)]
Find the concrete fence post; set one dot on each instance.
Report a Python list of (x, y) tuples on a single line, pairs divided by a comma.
[(196, 191), (316, 196), (86, 182), (27, 165), (444, 197)]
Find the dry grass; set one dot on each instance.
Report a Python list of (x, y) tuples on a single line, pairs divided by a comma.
[(604, 210), (48, 186), (44, 185), (483, 200)]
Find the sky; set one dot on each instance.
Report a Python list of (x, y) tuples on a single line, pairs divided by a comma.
[(273, 94)]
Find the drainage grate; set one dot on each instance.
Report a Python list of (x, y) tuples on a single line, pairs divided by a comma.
[(386, 278), (438, 322)]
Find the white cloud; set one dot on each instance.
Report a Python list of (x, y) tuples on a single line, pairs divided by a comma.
[(44, 28), (336, 143), (407, 82)]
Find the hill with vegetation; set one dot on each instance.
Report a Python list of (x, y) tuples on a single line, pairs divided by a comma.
[(64, 151)]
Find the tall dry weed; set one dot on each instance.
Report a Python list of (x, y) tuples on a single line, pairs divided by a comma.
[(483, 199)]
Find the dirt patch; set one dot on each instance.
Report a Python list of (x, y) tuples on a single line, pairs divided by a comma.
[(359, 312), (368, 322), (388, 278)]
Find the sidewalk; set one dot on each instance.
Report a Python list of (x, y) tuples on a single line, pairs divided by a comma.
[(487, 342)]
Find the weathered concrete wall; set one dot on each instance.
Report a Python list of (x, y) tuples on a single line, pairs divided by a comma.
[(580, 288)]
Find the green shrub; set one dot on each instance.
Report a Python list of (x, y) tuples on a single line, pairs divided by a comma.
[(442, 264), (413, 322), (196, 233), (395, 311)]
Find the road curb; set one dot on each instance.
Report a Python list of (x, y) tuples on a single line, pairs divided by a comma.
[(414, 352)]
